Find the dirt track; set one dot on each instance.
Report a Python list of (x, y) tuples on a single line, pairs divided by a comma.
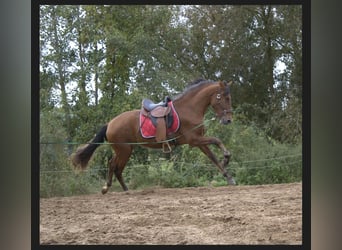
[(267, 214)]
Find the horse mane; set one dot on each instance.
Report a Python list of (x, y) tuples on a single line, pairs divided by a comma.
[(196, 84), (197, 81)]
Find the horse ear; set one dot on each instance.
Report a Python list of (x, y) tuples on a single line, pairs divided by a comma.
[(224, 83)]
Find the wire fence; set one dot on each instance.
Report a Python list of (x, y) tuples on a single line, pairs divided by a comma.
[(232, 165), (59, 178)]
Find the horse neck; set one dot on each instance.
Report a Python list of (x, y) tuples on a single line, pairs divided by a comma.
[(198, 101)]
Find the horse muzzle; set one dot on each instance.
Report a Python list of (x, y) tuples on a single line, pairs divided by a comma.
[(225, 121)]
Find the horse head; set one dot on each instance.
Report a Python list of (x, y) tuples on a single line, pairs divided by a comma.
[(222, 103)]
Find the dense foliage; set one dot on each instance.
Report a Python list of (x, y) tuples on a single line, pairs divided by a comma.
[(99, 61)]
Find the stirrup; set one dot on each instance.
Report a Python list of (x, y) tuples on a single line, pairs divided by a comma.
[(167, 149)]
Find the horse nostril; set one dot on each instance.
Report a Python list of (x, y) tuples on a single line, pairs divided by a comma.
[(225, 122)]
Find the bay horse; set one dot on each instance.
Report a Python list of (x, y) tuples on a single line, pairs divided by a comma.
[(123, 134)]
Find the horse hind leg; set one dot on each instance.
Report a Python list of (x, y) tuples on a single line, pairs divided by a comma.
[(116, 166), (118, 174), (111, 168)]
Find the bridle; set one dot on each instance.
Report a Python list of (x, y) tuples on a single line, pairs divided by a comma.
[(225, 111)]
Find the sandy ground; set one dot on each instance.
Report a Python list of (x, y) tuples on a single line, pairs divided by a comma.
[(265, 214)]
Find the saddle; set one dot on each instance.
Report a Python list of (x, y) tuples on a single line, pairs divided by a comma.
[(161, 117)]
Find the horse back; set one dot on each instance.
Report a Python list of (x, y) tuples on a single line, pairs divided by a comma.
[(124, 127)]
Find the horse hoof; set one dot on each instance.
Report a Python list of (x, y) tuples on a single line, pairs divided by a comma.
[(231, 181), (226, 155), (104, 190)]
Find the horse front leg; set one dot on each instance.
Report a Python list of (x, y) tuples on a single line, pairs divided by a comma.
[(226, 153), (203, 143)]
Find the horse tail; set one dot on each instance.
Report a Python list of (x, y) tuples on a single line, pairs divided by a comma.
[(83, 154)]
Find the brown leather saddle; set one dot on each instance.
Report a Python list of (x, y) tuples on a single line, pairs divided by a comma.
[(161, 117)]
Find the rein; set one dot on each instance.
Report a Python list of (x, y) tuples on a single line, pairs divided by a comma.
[(218, 98), (131, 143)]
